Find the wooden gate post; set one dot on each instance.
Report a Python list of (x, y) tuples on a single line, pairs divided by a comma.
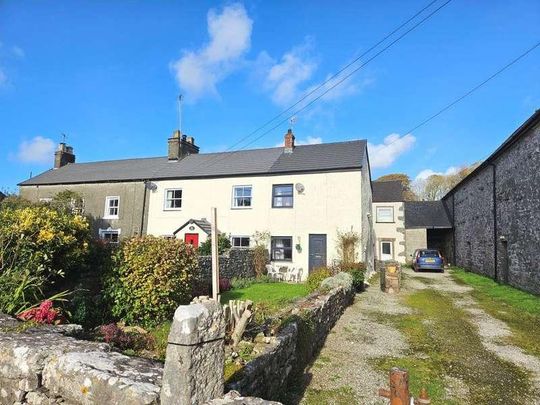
[(399, 388), (215, 255)]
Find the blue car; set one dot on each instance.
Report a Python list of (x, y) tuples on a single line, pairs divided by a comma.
[(427, 259)]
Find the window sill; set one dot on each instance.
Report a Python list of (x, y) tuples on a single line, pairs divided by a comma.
[(111, 217), (172, 209), (282, 207), (385, 222), (241, 208)]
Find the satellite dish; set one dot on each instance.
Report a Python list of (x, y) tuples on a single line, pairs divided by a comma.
[(300, 187)]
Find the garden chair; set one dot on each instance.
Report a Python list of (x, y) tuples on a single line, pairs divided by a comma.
[(282, 273), (293, 275), (271, 271)]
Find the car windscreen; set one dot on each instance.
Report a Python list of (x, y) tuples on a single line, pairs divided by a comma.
[(429, 253)]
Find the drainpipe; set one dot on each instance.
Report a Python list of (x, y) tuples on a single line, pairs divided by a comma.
[(454, 229), (145, 186), (495, 272)]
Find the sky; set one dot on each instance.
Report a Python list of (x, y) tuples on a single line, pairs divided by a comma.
[(107, 74)]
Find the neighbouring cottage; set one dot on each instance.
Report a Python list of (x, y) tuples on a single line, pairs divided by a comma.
[(389, 224), (300, 194), (495, 212)]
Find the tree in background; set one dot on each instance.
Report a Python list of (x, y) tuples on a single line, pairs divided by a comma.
[(408, 193), (437, 185)]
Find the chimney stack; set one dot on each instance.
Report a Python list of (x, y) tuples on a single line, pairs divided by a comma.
[(63, 155), (289, 141), (181, 146)]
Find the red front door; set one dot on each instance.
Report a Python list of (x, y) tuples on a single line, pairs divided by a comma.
[(192, 239)]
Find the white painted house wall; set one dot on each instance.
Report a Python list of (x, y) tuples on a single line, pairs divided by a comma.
[(330, 201), (392, 232)]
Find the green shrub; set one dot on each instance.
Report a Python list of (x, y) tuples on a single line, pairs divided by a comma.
[(148, 279), (316, 277), (357, 271), (224, 244), (39, 245)]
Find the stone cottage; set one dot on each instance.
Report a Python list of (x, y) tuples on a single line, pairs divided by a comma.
[(300, 195)]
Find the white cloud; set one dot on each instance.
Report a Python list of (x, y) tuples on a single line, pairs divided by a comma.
[(283, 78), (37, 150), (198, 72), (424, 174), (385, 154)]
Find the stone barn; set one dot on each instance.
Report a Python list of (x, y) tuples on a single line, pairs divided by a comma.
[(495, 213)]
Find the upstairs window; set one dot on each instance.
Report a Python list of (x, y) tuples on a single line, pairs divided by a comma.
[(385, 214), (240, 241), (282, 196), (241, 197), (281, 247), (112, 207), (173, 198)]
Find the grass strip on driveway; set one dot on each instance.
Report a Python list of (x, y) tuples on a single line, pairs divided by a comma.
[(445, 344), (518, 309)]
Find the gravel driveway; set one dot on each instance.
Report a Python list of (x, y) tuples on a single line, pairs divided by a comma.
[(346, 371)]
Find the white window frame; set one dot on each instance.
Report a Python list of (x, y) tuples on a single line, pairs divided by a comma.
[(391, 247), (377, 218), (233, 237), (240, 207), (165, 199), (103, 231), (106, 214)]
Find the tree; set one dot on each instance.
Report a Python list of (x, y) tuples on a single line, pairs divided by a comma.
[(408, 193), (436, 186)]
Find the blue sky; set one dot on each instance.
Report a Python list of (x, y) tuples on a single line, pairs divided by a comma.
[(107, 73)]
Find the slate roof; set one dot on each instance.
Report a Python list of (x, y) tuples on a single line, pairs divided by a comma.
[(426, 214), (387, 191), (305, 158), (202, 223)]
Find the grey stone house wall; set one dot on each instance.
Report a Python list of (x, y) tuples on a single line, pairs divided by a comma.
[(94, 194), (517, 233), (236, 263)]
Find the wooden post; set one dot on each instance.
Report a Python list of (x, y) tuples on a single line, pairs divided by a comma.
[(215, 255), (399, 388)]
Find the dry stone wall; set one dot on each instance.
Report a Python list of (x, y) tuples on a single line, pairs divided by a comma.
[(44, 365), (288, 353)]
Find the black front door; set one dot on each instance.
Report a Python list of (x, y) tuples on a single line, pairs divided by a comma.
[(317, 251)]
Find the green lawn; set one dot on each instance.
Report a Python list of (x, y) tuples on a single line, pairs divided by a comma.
[(518, 309), (272, 294)]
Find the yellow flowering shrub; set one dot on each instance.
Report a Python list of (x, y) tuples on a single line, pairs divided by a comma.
[(148, 279), (38, 244)]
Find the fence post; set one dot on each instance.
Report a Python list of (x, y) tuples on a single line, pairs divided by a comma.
[(399, 388), (215, 255), (193, 371)]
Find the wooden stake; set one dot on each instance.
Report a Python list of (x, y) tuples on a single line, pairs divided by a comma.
[(215, 256)]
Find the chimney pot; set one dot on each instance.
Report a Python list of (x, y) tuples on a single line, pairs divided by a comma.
[(181, 146), (289, 141), (63, 155)]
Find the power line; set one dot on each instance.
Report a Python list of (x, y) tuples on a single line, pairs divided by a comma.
[(335, 84), (478, 86), (332, 77), (468, 93)]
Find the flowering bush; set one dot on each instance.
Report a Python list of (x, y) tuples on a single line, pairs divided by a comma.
[(148, 278), (115, 336), (316, 277), (45, 313), (38, 246)]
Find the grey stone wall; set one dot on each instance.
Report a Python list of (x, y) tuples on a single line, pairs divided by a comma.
[(42, 365), (517, 186), (288, 353), (236, 263), (94, 194)]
